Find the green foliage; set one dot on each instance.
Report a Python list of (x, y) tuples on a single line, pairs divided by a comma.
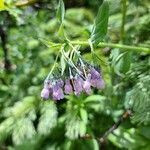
[(32, 40), (23, 130), (61, 11), (138, 100), (48, 119), (101, 22)]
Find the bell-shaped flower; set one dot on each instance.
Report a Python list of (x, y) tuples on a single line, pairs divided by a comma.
[(45, 93), (57, 93), (87, 84), (96, 79), (78, 85), (100, 83), (68, 88)]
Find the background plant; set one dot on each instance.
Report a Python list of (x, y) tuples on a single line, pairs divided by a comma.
[(28, 47)]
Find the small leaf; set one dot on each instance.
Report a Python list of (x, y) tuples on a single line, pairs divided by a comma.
[(120, 61), (61, 31), (125, 62), (48, 118), (61, 11), (75, 127), (84, 115), (6, 128), (23, 130), (101, 23), (94, 99), (82, 128)]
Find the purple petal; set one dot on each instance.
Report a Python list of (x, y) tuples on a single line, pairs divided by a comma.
[(78, 82), (87, 87), (45, 93), (94, 74), (60, 83), (57, 92), (100, 83), (94, 82), (68, 87)]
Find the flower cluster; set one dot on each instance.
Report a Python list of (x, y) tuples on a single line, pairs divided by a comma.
[(83, 80)]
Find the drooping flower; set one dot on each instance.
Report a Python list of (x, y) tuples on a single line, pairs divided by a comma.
[(94, 73), (45, 93), (57, 93), (87, 84), (68, 87), (100, 83), (96, 79), (80, 78), (78, 85)]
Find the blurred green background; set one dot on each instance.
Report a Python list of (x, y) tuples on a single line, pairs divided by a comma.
[(26, 122)]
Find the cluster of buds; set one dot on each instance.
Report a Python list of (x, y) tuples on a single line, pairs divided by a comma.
[(83, 79)]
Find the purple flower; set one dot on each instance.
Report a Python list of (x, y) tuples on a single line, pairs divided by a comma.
[(96, 79), (87, 84), (77, 84), (45, 93), (94, 73), (68, 87), (100, 83), (60, 83), (57, 92)]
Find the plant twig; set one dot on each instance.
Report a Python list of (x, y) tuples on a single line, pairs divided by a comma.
[(125, 115), (102, 139)]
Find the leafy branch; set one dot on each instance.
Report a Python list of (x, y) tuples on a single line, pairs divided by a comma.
[(103, 138)]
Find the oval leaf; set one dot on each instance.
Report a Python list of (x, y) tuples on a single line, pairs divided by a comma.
[(61, 11), (100, 25)]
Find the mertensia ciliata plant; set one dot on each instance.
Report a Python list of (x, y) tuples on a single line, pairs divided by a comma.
[(77, 74)]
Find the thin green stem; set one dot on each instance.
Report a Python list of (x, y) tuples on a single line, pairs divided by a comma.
[(53, 66), (120, 46)]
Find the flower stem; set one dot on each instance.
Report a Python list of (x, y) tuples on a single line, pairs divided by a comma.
[(112, 45)]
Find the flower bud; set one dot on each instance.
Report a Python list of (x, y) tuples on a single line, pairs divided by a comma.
[(45, 93)]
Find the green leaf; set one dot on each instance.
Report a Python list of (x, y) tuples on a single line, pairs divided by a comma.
[(23, 107), (6, 128), (48, 118), (94, 99), (61, 32), (75, 127), (138, 99), (124, 62), (121, 61), (61, 11), (84, 115), (23, 130), (100, 25)]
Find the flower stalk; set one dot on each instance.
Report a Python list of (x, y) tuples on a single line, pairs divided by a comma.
[(112, 45)]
